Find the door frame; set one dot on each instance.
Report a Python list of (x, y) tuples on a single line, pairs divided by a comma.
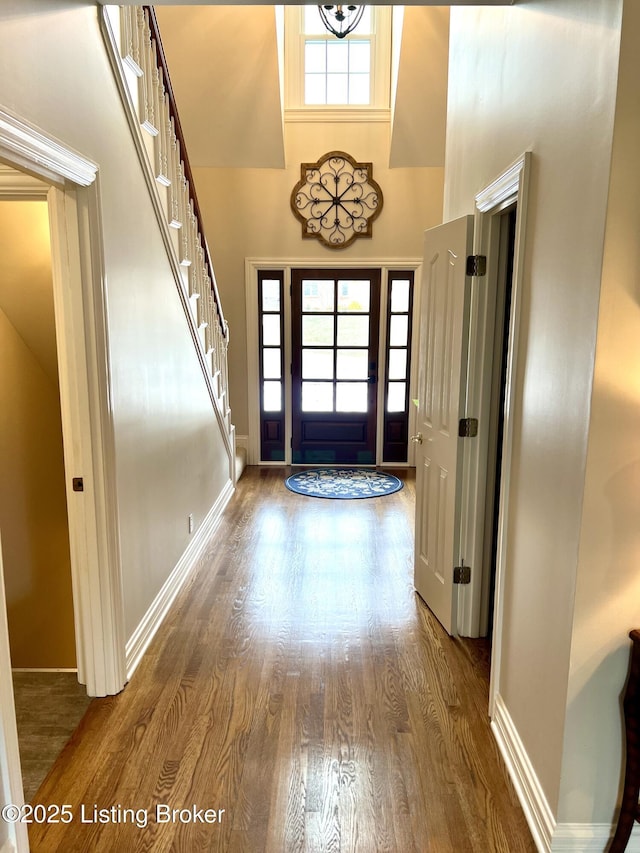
[(69, 183), (252, 265), (10, 771), (510, 187)]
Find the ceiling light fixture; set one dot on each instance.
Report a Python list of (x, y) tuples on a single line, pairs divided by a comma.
[(341, 20)]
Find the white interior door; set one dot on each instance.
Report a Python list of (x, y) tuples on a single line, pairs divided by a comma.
[(444, 323)]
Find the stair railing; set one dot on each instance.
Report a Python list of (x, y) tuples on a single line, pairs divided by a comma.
[(133, 38)]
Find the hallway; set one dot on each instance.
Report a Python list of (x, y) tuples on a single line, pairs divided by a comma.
[(297, 685)]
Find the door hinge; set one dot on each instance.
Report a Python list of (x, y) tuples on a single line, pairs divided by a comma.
[(477, 265), (462, 574), (468, 427)]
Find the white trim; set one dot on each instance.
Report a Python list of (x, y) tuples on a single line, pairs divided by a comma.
[(589, 838), (528, 788), (25, 145), (509, 188), (524, 168), (241, 456), (144, 633), (8, 847), (333, 115), (80, 312), (87, 429), (251, 267), (10, 771), (55, 669), (504, 189), (18, 186)]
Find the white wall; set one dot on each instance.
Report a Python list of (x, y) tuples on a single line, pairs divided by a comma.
[(608, 590), (171, 459), (541, 76)]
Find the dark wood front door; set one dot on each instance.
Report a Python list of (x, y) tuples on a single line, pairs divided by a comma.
[(335, 315)]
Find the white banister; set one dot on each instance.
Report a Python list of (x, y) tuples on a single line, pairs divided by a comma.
[(133, 39)]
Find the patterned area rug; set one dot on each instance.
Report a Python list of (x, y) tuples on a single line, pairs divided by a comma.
[(346, 483)]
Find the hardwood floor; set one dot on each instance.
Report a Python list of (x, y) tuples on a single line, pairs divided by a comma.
[(49, 706), (299, 685)]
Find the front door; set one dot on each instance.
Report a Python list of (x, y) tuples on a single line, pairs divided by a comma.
[(444, 318), (334, 365)]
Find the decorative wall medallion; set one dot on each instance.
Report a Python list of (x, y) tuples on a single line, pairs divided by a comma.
[(336, 199)]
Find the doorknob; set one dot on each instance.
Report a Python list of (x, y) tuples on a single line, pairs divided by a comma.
[(417, 439)]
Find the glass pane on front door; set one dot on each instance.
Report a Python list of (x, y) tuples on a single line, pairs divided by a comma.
[(352, 364), (354, 296), (353, 331), (318, 331)]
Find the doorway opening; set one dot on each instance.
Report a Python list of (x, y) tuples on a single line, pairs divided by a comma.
[(465, 418), (332, 360), (504, 284), (49, 700), (33, 506)]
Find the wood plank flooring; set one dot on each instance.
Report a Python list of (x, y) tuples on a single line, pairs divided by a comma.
[(49, 706), (299, 685)]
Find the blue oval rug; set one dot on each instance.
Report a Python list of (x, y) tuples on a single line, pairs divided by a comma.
[(346, 483)]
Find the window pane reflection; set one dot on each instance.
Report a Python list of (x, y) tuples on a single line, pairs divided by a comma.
[(396, 397), (317, 364), (351, 396), (399, 296), (317, 396), (271, 361), (397, 364), (353, 331), (272, 396), (271, 330), (352, 364), (354, 296), (270, 295), (399, 331), (317, 295), (317, 331)]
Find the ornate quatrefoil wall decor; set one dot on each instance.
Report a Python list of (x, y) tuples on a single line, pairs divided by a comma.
[(336, 199)]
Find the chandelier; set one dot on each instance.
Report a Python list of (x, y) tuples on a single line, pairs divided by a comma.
[(341, 20)]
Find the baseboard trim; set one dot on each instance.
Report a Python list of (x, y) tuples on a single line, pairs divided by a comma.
[(43, 669), (589, 838), (532, 799), (138, 643)]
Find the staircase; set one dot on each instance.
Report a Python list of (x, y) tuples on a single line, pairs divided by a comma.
[(135, 49)]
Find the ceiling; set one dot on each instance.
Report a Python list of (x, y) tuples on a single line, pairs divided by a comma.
[(226, 77)]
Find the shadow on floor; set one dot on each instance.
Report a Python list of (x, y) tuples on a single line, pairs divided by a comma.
[(49, 706)]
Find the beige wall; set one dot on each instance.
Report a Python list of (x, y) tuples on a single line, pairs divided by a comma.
[(171, 459), (608, 589), (247, 215), (541, 76), (33, 509)]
